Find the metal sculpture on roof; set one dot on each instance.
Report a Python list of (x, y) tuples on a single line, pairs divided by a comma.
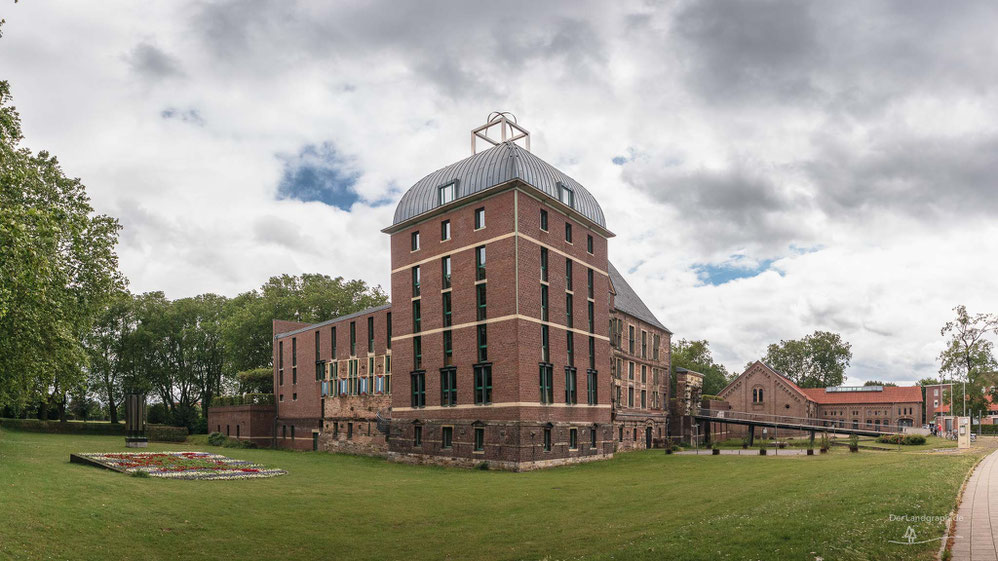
[(509, 131)]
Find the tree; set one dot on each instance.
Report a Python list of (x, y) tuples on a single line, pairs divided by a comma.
[(818, 360), (257, 380), (108, 347), (969, 357), (879, 383), (57, 270), (696, 356), (248, 328)]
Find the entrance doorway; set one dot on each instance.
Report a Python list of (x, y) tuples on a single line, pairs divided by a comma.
[(315, 441), (647, 437)]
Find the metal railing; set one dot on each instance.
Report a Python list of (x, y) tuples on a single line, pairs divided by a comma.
[(787, 421)]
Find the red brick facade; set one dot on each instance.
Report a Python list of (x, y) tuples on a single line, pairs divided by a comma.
[(244, 422)]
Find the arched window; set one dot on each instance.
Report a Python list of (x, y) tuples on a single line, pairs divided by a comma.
[(757, 395)]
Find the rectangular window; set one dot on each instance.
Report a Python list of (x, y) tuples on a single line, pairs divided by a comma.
[(448, 387), (591, 316), (418, 380), (480, 262), (573, 439), (545, 344), (656, 344), (353, 383), (568, 274), (619, 404), (353, 338), (479, 439), (415, 281), (544, 302), (417, 435), (644, 344), (448, 348), (544, 220), (280, 362), (388, 332), (630, 370), (570, 395), (479, 218), (445, 230), (592, 438), (630, 397), (446, 305), (630, 339), (589, 282), (447, 437), (320, 371), (644, 374), (592, 352), (481, 301), (370, 334), (446, 193), (568, 232), (547, 383), (483, 384), (544, 264), (417, 352), (589, 244), (415, 241), (483, 346), (417, 316), (643, 393), (570, 348), (591, 379), (445, 271), (566, 195), (294, 351), (317, 341), (547, 440), (332, 342), (569, 316)]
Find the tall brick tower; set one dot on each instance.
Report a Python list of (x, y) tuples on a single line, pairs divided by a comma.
[(500, 312)]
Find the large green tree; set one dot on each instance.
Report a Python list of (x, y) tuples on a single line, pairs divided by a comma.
[(969, 358), (109, 345), (696, 356), (58, 268), (247, 330), (818, 360)]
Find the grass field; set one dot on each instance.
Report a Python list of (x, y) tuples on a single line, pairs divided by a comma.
[(641, 505)]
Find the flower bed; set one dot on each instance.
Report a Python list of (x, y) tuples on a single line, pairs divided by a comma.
[(179, 465)]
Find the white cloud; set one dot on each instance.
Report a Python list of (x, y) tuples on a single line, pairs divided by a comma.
[(754, 137)]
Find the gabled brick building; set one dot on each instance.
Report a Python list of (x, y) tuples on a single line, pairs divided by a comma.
[(763, 390)]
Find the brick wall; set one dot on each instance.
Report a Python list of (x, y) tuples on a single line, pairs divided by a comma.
[(245, 422)]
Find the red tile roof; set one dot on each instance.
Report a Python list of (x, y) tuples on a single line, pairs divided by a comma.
[(890, 394)]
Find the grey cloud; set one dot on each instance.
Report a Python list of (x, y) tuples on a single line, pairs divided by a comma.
[(275, 230), (151, 63)]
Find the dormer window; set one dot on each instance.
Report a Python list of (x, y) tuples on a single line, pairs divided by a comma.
[(447, 193), (566, 195)]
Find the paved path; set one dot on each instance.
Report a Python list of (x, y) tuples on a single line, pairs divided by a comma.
[(977, 521), (748, 452)]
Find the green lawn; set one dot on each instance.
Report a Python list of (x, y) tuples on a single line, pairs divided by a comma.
[(641, 505)]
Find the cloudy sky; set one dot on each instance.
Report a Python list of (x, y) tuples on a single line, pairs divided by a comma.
[(770, 168)]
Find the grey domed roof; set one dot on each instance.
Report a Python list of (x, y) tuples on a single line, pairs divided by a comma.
[(495, 166)]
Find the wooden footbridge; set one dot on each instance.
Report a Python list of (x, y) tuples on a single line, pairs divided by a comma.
[(783, 422)]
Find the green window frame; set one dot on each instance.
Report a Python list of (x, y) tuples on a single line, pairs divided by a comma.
[(591, 313), (546, 382), (332, 342), (547, 439), (414, 241), (480, 262), (445, 271), (481, 301), (544, 220), (569, 312), (568, 274), (448, 387), (479, 218), (483, 384), (483, 343), (568, 232), (544, 302), (589, 244), (573, 438), (589, 282), (570, 347), (592, 352), (370, 334), (417, 316), (415, 281), (571, 397), (353, 338), (446, 306), (448, 347), (447, 437), (445, 230), (544, 264), (417, 352), (388, 331), (479, 439), (417, 435), (418, 389), (592, 378), (545, 344)]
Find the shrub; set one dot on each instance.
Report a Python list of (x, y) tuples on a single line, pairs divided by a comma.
[(140, 473), (713, 397), (258, 399), (166, 433), (902, 439), (64, 428), (236, 443), (157, 414), (216, 439), (484, 466), (257, 380)]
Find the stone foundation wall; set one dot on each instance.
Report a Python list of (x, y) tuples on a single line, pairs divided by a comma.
[(423, 459)]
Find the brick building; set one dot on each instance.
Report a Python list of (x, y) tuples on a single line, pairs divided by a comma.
[(763, 390), (511, 337)]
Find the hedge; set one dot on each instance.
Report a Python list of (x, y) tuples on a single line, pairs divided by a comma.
[(903, 439), (245, 399), (989, 429), (158, 433)]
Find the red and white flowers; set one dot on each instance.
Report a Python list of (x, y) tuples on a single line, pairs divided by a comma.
[(181, 465)]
